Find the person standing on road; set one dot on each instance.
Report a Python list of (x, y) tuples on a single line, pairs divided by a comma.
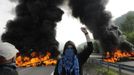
[(70, 62)]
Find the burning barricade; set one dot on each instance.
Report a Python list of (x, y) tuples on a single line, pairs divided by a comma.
[(35, 59), (118, 55)]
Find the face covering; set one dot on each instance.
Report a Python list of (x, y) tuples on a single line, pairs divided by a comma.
[(69, 62), (68, 59), (69, 52)]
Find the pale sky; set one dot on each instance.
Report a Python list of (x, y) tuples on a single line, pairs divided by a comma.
[(69, 27), (120, 7)]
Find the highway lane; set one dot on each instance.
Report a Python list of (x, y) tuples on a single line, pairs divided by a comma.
[(36, 70)]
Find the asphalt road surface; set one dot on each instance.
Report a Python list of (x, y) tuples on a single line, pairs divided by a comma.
[(49, 69), (36, 70)]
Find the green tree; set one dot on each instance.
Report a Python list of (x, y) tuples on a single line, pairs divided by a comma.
[(127, 26)]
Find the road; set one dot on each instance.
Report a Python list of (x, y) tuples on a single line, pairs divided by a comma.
[(36, 70), (49, 69)]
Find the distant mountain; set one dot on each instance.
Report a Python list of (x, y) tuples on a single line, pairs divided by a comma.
[(122, 18)]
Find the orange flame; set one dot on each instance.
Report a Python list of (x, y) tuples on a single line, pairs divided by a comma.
[(117, 55), (35, 60)]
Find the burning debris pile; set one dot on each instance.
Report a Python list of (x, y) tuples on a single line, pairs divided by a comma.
[(34, 26), (118, 55), (123, 53), (35, 59), (92, 13)]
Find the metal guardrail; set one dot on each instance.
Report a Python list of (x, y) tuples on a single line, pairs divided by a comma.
[(119, 66)]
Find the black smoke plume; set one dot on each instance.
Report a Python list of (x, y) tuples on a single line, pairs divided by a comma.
[(92, 13), (34, 26)]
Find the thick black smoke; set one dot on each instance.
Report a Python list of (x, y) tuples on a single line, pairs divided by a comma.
[(92, 13), (34, 25), (35, 22)]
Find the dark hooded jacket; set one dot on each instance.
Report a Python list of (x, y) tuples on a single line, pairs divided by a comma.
[(82, 58)]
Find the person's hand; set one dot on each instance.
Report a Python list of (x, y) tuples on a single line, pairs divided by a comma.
[(84, 30)]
